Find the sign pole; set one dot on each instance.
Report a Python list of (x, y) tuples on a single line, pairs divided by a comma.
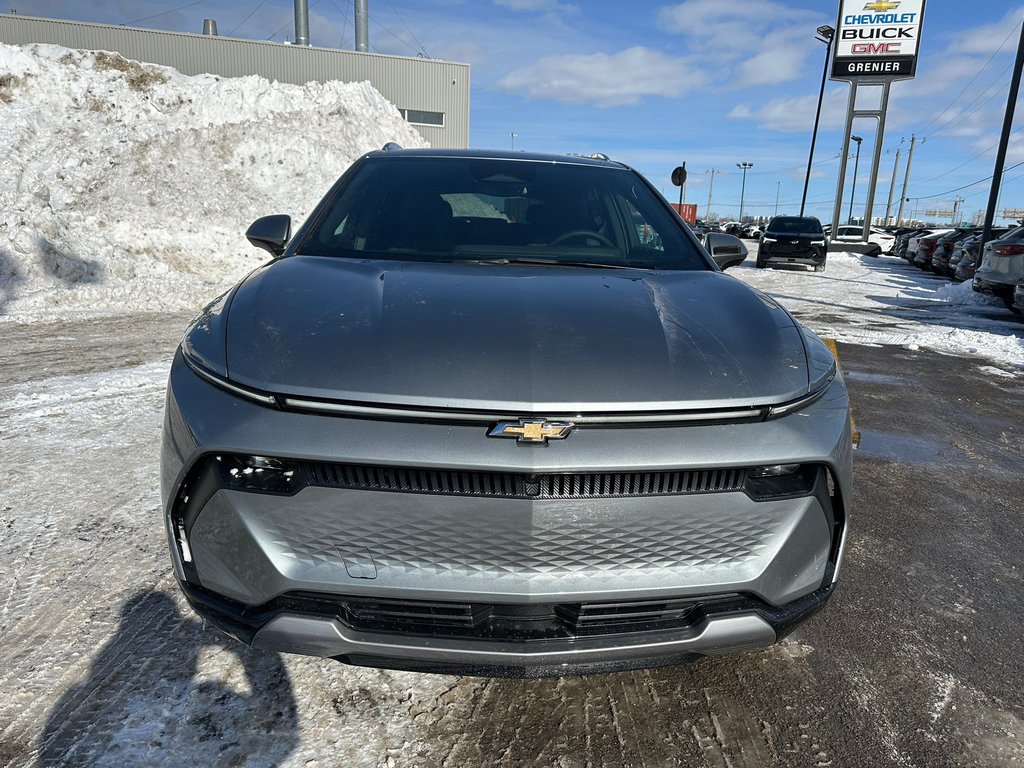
[(837, 207), (876, 160)]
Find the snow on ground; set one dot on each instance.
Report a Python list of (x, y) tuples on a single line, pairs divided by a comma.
[(885, 301), (127, 187)]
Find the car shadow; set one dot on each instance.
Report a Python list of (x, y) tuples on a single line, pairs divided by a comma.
[(144, 700)]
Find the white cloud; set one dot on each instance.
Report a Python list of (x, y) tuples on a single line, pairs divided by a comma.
[(795, 114), (754, 42), (544, 6), (985, 39), (605, 80)]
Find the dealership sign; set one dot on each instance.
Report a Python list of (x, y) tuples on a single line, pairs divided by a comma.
[(877, 41)]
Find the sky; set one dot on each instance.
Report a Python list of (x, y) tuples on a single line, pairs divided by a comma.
[(711, 83)]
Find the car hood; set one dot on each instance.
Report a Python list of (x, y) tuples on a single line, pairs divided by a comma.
[(511, 338)]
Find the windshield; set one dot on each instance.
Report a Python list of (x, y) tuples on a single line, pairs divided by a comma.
[(475, 209), (795, 225)]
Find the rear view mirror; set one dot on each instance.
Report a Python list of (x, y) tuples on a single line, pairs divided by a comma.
[(271, 233), (726, 250)]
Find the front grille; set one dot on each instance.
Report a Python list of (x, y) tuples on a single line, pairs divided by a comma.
[(498, 621), (511, 485)]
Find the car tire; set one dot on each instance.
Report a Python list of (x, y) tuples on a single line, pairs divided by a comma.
[(760, 264), (1009, 306), (819, 267)]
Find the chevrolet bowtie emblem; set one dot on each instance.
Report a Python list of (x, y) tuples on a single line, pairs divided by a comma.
[(881, 6), (532, 430)]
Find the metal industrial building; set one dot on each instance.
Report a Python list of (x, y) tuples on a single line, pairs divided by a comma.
[(433, 95)]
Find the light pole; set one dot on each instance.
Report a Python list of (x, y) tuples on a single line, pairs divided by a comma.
[(856, 164), (826, 33), (743, 189), (778, 191), (513, 135)]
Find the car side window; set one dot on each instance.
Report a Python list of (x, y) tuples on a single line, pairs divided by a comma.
[(647, 235)]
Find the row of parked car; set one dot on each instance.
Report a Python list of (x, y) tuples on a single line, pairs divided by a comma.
[(995, 267)]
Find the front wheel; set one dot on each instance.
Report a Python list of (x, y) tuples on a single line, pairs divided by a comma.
[(760, 264), (819, 267)]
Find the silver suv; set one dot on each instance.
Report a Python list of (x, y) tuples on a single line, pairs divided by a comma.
[(1002, 267), (501, 414)]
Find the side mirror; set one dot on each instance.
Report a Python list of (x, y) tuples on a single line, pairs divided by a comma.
[(271, 233), (726, 250)]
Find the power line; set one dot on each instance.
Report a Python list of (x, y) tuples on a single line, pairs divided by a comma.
[(962, 117), (164, 13), (406, 43), (966, 186), (971, 81), (291, 21), (987, 149), (411, 33), (344, 29), (258, 6)]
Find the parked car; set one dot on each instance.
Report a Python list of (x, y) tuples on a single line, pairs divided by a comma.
[(793, 240), (750, 231), (466, 421), (959, 252), (1001, 267), (902, 243), (925, 241), (944, 248), (1018, 298), (854, 234)]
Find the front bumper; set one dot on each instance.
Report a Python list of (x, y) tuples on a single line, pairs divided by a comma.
[(792, 253), (340, 543), (329, 627)]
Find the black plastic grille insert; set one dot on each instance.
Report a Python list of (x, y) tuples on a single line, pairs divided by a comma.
[(511, 485)]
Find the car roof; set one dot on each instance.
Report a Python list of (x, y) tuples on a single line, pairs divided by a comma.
[(498, 154)]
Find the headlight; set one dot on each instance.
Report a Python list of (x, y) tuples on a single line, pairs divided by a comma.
[(768, 240), (821, 368), (203, 343), (817, 242)]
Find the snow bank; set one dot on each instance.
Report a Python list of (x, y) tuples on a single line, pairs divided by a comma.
[(128, 187), (884, 301)]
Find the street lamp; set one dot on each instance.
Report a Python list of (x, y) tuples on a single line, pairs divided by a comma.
[(513, 135), (778, 191), (856, 164), (825, 35), (743, 189)]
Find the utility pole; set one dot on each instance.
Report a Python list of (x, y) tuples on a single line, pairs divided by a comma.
[(1004, 140), (906, 180), (362, 13), (956, 207), (711, 189), (892, 185), (778, 191)]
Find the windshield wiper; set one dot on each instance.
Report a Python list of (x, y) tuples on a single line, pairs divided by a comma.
[(547, 263)]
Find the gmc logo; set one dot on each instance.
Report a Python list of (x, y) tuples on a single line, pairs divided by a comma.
[(876, 47)]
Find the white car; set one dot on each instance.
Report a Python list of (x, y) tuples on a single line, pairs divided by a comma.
[(854, 234)]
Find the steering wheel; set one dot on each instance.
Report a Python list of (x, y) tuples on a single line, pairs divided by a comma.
[(583, 233)]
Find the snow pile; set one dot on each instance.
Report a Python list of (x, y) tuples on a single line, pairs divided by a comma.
[(884, 301), (128, 187), (963, 293)]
